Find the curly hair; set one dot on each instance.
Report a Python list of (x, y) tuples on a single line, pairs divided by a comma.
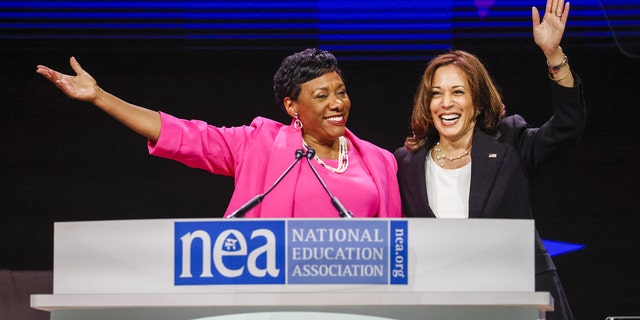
[(299, 68), (484, 93)]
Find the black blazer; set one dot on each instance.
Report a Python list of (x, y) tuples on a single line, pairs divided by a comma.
[(501, 164)]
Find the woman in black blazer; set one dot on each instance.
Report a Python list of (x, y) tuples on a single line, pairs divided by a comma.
[(467, 160)]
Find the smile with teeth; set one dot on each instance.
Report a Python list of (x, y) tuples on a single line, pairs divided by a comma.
[(335, 118), (449, 118)]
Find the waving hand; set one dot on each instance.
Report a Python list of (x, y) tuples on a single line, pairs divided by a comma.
[(547, 34)]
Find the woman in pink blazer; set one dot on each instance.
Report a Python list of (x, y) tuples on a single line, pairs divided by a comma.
[(309, 87)]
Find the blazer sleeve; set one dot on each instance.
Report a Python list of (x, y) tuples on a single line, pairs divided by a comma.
[(563, 130), (200, 145)]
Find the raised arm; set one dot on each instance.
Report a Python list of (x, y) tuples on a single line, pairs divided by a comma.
[(548, 34), (84, 87)]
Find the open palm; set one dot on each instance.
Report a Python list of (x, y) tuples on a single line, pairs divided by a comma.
[(548, 32), (82, 86)]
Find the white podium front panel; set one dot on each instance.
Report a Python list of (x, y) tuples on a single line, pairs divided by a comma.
[(282, 306), (139, 256), (254, 269)]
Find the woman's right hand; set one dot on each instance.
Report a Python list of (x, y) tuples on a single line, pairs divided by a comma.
[(82, 86)]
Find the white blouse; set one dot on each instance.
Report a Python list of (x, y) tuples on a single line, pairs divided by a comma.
[(448, 189)]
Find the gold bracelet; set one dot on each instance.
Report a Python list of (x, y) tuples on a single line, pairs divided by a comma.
[(556, 80)]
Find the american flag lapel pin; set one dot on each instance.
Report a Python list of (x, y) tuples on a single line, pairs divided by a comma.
[(493, 155)]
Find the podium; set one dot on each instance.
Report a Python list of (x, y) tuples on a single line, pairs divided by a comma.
[(233, 269)]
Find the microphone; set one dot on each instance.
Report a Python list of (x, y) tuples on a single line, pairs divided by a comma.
[(344, 213), (240, 212)]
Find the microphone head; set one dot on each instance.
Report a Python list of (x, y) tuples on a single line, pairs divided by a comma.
[(310, 153)]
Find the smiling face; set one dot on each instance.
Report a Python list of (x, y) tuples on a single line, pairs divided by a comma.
[(451, 104), (323, 107)]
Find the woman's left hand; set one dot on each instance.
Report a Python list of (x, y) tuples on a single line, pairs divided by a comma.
[(548, 33)]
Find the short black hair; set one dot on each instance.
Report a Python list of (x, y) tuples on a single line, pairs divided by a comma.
[(299, 68)]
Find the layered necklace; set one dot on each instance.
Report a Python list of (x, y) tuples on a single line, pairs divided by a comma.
[(343, 156), (441, 157)]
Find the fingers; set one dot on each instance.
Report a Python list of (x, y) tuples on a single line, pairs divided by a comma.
[(565, 13), (54, 75), (535, 16), (75, 65), (42, 70), (48, 73), (557, 7), (562, 12), (548, 8)]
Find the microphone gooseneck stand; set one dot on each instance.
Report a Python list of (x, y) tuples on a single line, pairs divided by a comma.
[(240, 212), (344, 213)]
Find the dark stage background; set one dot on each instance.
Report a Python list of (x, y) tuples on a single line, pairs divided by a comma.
[(63, 160)]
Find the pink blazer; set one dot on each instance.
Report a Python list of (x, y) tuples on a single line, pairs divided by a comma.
[(256, 155)]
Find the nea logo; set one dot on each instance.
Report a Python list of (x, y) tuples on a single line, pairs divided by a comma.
[(229, 252)]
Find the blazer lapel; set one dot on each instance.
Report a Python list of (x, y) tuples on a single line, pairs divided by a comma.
[(415, 173), (280, 200), (486, 159)]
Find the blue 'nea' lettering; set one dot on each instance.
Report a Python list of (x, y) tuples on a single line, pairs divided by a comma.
[(221, 248)]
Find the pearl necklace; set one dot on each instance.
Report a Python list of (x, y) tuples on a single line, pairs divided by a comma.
[(343, 156), (440, 157)]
